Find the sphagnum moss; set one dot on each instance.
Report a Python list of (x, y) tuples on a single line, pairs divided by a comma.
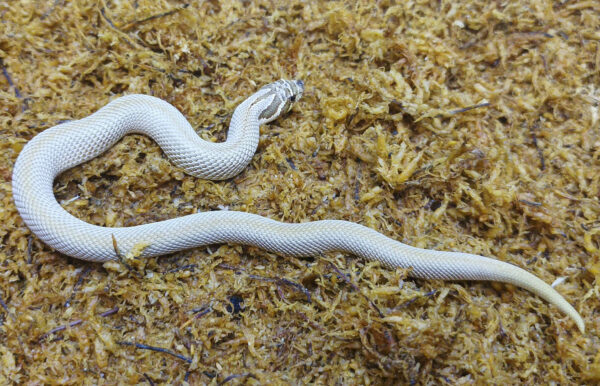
[(470, 126)]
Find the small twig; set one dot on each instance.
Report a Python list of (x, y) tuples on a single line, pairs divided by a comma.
[(357, 183), (234, 376), (201, 314), (343, 276), (153, 17), (4, 305), (355, 287), (531, 203), (76, 323), (108, 20), (280, 292), (77, 285), (12, 316), (24, 101), (545, 63), (114, 27), (381, 315), (230, 267), (277, 280), (176, 269), (157, 349), (9, 79), (202, 311), (283, 281), (210, 375), (110, 312), (299, 287), (148, 379), (198, 309), (291, 163), (29, 249), (532, 34), (61, 328), (122, 258), (457, 111)]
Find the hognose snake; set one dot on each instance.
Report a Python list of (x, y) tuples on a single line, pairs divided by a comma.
[(72, 143)]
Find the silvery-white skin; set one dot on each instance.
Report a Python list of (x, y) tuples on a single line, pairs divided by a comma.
[(69, 144)]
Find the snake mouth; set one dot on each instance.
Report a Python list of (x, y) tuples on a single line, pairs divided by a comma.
[(300, 89)]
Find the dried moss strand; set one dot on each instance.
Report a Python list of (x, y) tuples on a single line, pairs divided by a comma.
[(134, 23), (411, 301), (235, 376)]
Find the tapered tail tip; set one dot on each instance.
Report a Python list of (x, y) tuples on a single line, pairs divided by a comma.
[(580, 324)]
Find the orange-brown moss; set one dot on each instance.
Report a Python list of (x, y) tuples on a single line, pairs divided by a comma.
[(383, 136)]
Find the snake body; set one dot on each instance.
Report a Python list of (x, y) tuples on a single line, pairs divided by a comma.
[(66, 145)]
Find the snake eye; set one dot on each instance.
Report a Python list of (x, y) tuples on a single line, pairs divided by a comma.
[(293, 98)]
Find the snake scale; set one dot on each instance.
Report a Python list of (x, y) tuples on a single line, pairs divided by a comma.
[(69, 144)]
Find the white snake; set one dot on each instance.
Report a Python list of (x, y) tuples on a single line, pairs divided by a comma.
[(69, 144)]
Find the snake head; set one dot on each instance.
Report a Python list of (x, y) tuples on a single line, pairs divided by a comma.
[(277, 98)]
